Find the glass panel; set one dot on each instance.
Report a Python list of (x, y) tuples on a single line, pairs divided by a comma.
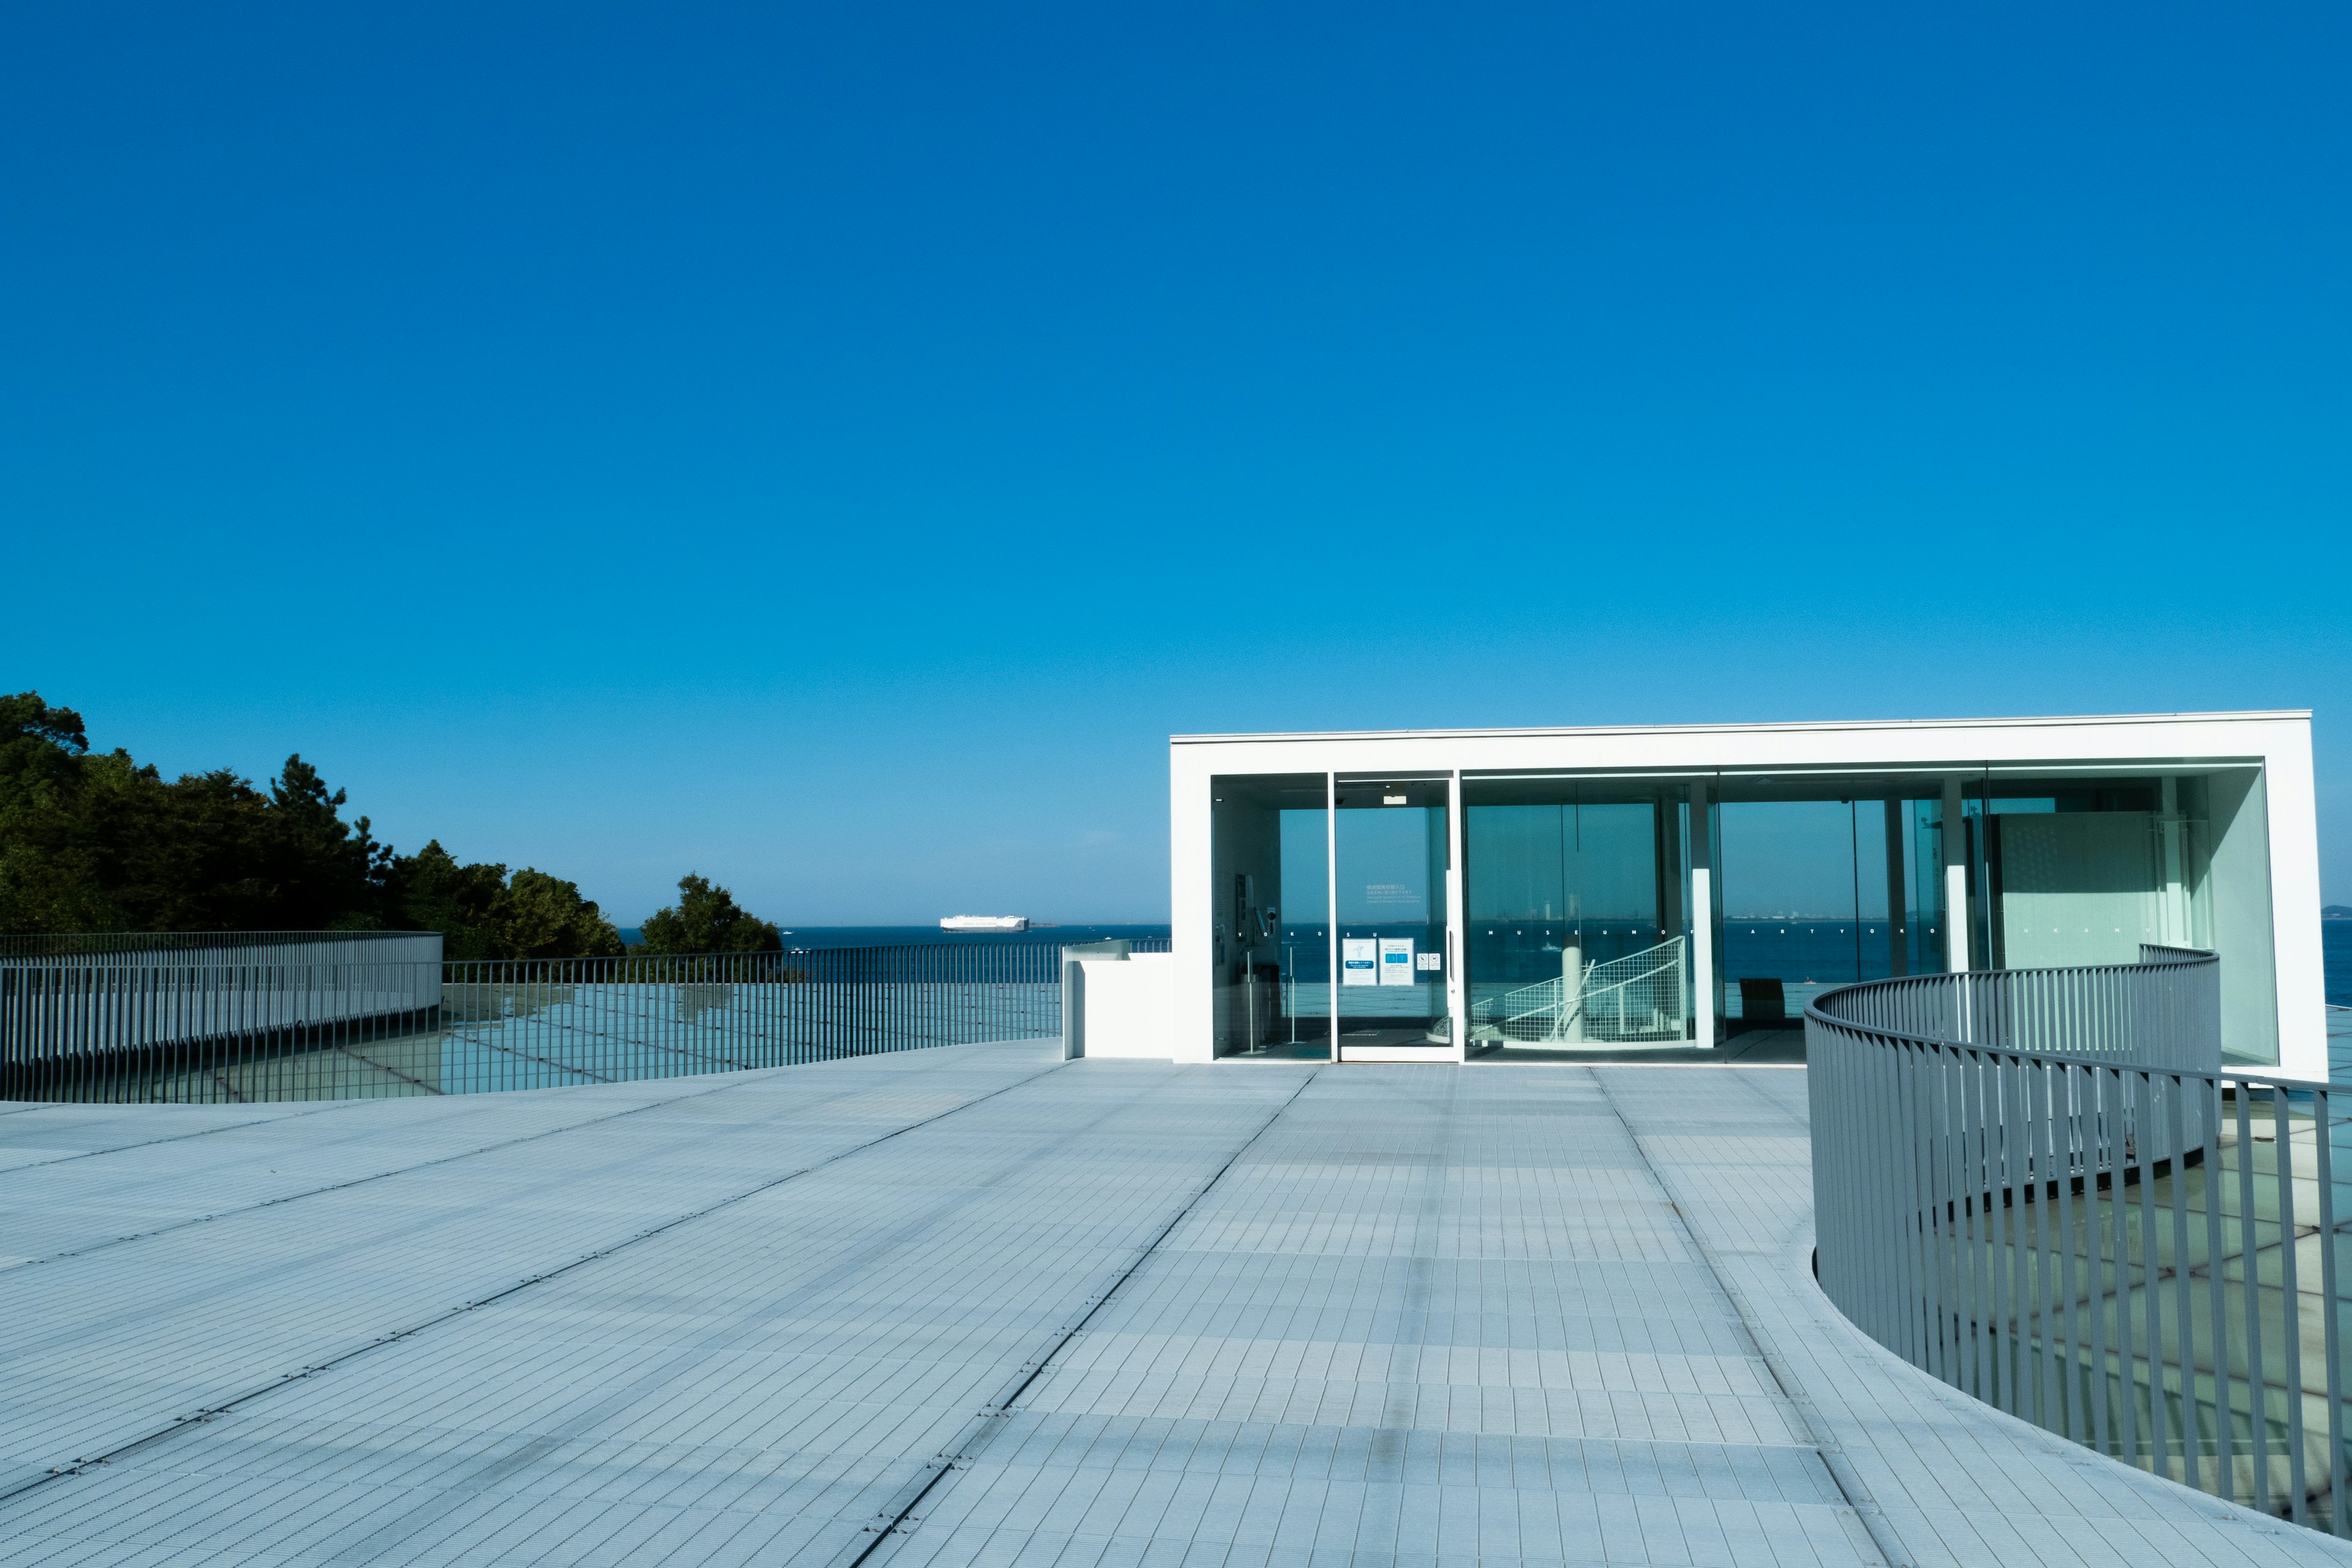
[(1791, 927), (1574, 898), (2077, 876), (1823, 881), (2079, 869), (1270, 894), (1392, 882), (1930, 922)]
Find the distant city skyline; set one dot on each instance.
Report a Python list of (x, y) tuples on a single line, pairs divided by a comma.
[(831, 451)]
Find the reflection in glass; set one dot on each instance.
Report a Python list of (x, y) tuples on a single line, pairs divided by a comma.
[(1391, 842), (1574, 899), (1271, 935)]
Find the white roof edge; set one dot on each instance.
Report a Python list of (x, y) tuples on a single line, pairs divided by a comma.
[(1802, 724)]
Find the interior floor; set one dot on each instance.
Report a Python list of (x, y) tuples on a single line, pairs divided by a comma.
[(1753, 1048)]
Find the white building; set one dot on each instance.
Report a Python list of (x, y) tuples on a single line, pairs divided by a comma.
[(1440, 895)]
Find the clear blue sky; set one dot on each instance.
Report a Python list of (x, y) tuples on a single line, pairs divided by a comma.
[(833, 448)]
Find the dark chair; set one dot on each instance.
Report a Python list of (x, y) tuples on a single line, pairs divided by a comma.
[(1762, 1005)]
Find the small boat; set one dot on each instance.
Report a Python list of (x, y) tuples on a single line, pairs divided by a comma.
[(985, 923)]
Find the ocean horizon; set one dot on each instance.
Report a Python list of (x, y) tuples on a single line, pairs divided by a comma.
[(1814, 957)]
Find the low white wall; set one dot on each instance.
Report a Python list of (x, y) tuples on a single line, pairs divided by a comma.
[(1130, 1005)]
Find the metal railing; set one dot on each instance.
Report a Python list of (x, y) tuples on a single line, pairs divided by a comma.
[(1638, 997), (202, 1026), (225, 946), (2040, 1187)]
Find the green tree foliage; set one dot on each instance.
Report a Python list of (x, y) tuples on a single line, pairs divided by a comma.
[(431, 891), (541, 915), (51, 851), (708, 920), (100, 843)]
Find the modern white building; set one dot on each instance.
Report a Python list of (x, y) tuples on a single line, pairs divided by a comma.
[(1444, 895)]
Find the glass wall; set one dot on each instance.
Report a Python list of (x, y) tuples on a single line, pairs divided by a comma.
[(1822, 891), (1577, 893), (1573, 894), (1271, 913), (1391, 880)]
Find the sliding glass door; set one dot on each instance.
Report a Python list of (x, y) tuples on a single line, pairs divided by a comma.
[(1391, 837)]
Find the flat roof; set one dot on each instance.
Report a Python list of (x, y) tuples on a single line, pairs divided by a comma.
[(1775, 726), (975, 1305)]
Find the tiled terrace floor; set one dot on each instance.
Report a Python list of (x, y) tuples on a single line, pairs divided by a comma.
[(1263, 1314)]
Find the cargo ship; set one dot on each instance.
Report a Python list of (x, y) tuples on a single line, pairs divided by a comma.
[(985, 923)]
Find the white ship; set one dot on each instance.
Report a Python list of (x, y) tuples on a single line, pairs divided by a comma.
[(985, 923)]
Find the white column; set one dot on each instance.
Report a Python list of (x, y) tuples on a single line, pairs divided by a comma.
[(1955, 880), (1701, 921), (1571, 989), (1457, 975), (1331, 896)]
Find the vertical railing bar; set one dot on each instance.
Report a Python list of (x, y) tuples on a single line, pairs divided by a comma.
[(2152, 1288), (1937, 1230), (2183, 1281), (2323, 1140), (2097, 1165), (2250, 1260), (1999, 1340), (2065, 1121), (2224, 1459), (2124, 1145), (2291, 1307)]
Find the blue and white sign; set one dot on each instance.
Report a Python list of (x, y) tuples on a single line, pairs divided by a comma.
[(1358, 960), (1396, 961)]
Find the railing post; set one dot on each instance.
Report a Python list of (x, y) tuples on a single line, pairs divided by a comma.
[(2330, 1296), (2283, 1144)]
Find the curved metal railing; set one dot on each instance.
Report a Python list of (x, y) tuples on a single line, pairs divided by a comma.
[(2041, 1187), (185, 1022)]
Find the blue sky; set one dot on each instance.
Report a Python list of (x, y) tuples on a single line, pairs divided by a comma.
[(833, 448)]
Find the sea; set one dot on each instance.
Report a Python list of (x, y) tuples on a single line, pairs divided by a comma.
[(1822, 952)]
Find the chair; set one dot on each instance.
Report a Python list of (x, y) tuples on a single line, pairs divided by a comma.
[(1761, 1003)]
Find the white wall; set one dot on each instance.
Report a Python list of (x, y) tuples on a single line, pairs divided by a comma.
[(2244, 924), (1130, 1005)]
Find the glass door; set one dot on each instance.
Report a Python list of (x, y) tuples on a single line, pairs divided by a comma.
[(1271, 940), (1574, 916), (1389, 871)]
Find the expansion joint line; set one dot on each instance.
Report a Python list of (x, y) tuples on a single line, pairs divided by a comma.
[(1843, 1474), (360, 1181), (893, 1520), (151, 1142), (211, 1412)]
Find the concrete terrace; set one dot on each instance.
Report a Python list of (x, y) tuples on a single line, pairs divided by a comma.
[(972, 1305)]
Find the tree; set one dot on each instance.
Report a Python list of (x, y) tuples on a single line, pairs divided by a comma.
[(541, 915), (430, 891), (49, 859), (95, 843), (708, 920), (325, 873)]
